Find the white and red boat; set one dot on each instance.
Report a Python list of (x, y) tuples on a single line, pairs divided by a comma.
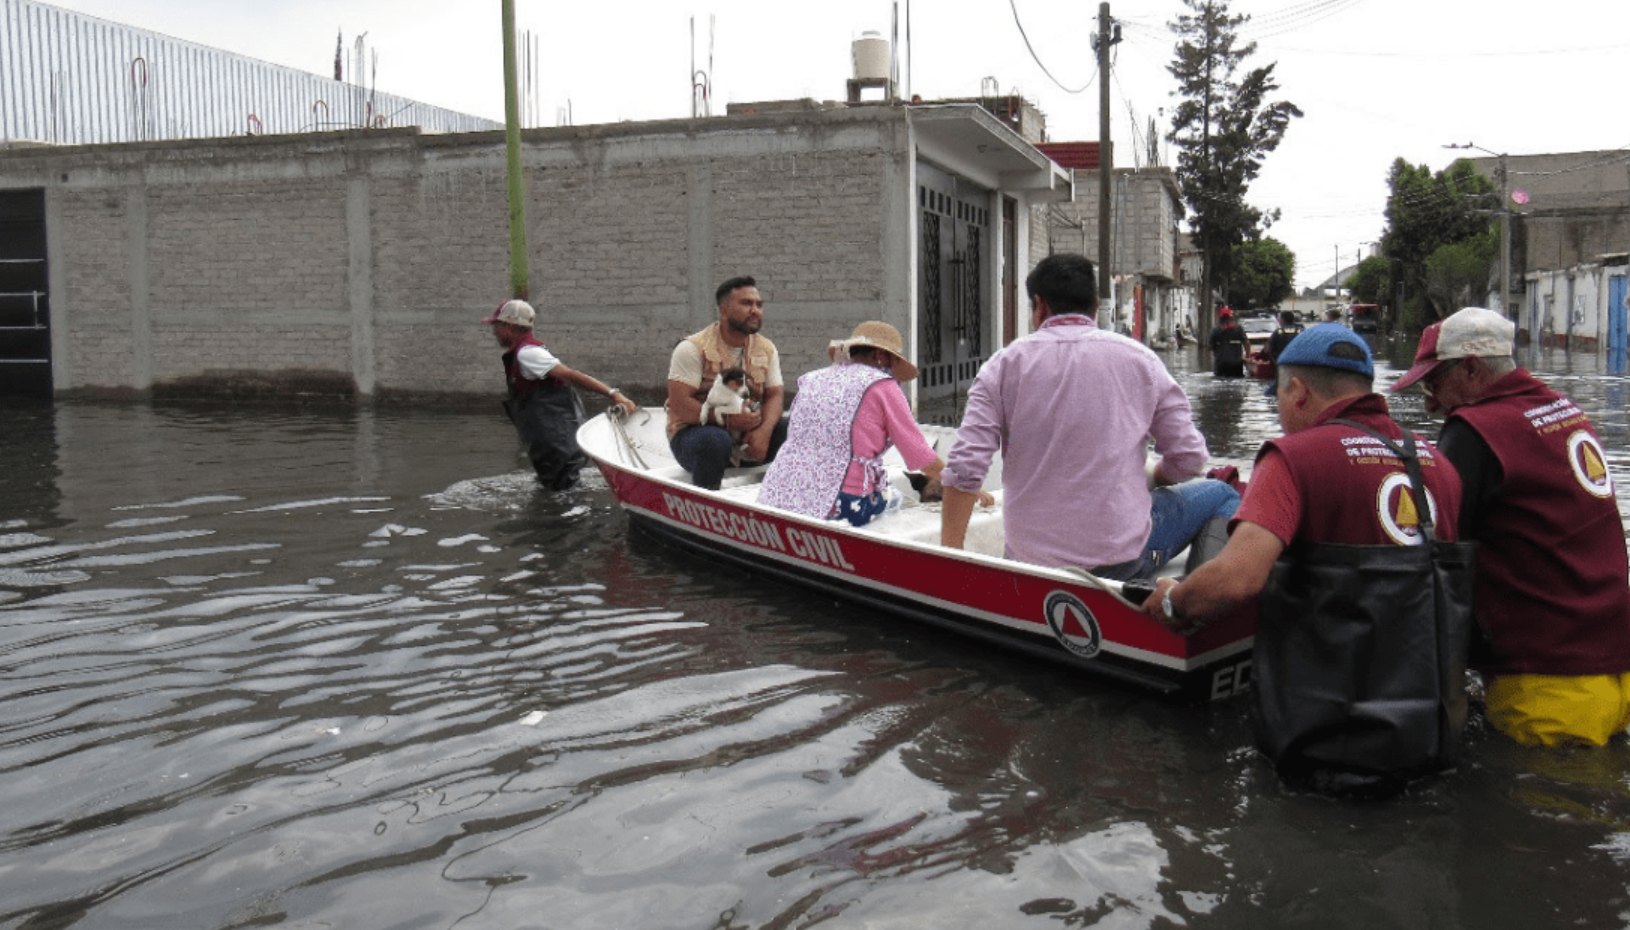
[(895, 564)]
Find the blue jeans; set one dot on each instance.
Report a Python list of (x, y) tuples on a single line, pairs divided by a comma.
[(1179, 512), (704, 451)]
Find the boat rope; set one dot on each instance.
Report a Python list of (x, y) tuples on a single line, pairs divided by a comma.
[(625, 443), (1103, 584)]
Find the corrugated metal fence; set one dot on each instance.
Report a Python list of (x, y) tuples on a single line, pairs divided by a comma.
[(71, 79)]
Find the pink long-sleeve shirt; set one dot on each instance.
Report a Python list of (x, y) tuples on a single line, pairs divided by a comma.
[(1072, 408), (885, 414)]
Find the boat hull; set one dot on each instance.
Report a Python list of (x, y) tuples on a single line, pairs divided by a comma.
[(1060, 616), (1258, 365)]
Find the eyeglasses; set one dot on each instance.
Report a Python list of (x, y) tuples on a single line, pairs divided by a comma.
[(1430, 383)]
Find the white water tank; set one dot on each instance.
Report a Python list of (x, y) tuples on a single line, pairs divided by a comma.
[(871, 53)]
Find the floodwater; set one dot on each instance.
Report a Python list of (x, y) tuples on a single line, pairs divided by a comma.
[(341, 668)]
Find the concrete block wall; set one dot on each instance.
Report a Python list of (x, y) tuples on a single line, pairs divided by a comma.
[(244, 271), (92, 234), (1143, 218), (365, 260)]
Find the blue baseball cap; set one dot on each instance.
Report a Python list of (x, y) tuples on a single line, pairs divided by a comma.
[(1330, 345)]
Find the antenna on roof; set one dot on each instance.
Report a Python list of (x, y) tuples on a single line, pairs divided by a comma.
[(701, 82)]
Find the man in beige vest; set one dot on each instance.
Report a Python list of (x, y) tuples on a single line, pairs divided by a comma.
[(705, 449)]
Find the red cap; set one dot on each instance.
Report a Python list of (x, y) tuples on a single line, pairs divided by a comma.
[(1426, 358)]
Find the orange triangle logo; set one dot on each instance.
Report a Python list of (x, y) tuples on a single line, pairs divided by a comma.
[(1593, 464), (1405, 516)]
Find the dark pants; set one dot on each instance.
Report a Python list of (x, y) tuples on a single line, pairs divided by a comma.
[(548, 421), (704, 451)]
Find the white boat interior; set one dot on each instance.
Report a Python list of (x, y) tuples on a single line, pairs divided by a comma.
[(915, 519)]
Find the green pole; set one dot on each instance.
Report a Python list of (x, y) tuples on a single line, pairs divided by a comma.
[(512, 145)]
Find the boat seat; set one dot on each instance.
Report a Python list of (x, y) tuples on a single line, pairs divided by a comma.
[(733, 477)]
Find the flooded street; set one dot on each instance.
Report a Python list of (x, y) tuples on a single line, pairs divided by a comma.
[(349, 668)]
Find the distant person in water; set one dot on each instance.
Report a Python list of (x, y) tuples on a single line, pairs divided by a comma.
[(1228, 344), (1288, 330), (541, 403)]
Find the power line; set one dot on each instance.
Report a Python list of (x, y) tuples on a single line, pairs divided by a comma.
[(1447, 54), (1559, 171), (1022, 34), (1293, 18)]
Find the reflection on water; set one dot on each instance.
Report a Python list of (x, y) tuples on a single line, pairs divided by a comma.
[(342, 668)]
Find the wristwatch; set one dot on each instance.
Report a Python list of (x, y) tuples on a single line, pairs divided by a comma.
[(1170, 609), (611, 391)]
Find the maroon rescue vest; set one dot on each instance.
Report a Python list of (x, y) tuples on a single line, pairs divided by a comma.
[(519, 384), (1360, 652), (1354, 491), (1553, 583)]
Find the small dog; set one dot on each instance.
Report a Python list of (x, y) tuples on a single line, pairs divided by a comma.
[(728, 396)]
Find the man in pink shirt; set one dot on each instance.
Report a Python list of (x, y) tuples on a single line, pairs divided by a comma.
[(1071, 408)]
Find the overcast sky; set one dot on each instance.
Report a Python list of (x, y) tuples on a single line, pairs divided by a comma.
[(1377, 79)]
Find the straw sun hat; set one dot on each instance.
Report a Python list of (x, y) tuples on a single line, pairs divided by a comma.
[(877, 335)]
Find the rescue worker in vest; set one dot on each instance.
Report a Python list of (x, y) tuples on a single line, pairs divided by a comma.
[(1552, 598), (1310, 488), (1288, 329), (1228, 346), (846, 416), (541, 403), (707, 449)]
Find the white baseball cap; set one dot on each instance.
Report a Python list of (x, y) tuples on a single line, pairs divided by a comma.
[(1472, 331), (517, 312)]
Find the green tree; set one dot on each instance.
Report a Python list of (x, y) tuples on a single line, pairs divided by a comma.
[(1263, 272), (1457, 274), (1427, 211), (1371, 282), (1223, 128)]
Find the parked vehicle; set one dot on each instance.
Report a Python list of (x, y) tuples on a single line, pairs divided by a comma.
[(1257, 331), (1366, 317)]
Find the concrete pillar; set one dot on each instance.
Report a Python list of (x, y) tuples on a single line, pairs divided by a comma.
[(699, 245), (141, 305), (360, 278)]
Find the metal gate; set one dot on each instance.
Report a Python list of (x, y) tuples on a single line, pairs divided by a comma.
[(952, 325), (25, 305)]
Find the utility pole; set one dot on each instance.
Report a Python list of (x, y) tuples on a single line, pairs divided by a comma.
[(512, 146), (1106, 154), (1505, 224), (1505, 243), (1335, 279)]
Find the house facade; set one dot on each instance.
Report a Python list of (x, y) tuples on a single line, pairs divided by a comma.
[(1570, 215), (1583, 307), (359, 262), (1146, 206)]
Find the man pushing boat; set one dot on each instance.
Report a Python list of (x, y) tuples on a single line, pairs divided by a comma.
[(1071, 407), (1552, 598), (1359, 659), (541, 403)]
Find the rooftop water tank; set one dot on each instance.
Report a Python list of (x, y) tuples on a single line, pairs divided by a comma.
[(871, 53)]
